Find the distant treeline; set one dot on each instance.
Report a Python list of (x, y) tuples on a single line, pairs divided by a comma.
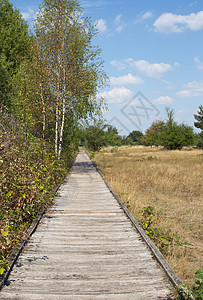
[(167, 133)]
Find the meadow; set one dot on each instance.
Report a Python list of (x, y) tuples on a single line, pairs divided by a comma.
[(163, 190)]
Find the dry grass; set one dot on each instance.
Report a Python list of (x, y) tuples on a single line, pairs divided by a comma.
[(171, 182)]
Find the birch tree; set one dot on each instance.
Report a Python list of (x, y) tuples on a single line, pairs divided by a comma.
[(32, 99), (75, 69)]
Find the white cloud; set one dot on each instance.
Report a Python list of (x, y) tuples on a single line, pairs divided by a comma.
[(163, 100), (149, 69), (142, 17), (154, 70), (30, 14), (198, 63), (117, 95), (147, 15), (119, 28), (126, 79), (168, 22), (101, 25), (117, 23), (180, 112), (192, 89), (118, 64), (117, 20)]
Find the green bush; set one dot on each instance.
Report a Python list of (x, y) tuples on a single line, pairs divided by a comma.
[(29, 173)]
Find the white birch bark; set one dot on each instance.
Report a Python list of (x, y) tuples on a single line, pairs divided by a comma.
[(56, 130), (43, 113), (62, 127)]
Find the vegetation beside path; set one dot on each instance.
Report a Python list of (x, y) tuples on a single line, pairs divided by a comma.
[(29, 174), (49, 82), (163, 190)]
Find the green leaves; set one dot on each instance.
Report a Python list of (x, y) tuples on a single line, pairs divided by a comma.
[(14, 45), (6, 230), (4, 265), (29, 175), (169, 134), (199, 118), (163, 240), (197, 289), (73, 67), (199, 124)]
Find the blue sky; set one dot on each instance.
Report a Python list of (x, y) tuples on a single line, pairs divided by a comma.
[(153, 53)]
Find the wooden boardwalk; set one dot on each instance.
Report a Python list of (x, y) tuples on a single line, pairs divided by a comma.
[(86, 248)]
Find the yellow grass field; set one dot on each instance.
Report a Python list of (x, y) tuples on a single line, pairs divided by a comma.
[(170, 182)]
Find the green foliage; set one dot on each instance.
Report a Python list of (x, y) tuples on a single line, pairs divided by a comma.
[(114, 150), (50, 81), (152, 136), (135, 137), (196, 290), (176, 136), (4, 264), (200, 140), (169, 134), (112, 137), (4, 85), (199, 124), (163, 240), (199, 118), (74, 66), (92, 155), (29, 173), (100, 135), (14, 47), (95, 137)]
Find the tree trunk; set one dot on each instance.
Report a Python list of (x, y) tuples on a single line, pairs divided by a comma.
[(62, 128), (56, 130), (43, 113)]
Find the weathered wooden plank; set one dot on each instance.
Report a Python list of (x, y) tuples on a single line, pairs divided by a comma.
[(86, 248)]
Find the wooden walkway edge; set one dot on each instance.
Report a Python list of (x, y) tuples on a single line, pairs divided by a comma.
[(86, 248), (175, 280)]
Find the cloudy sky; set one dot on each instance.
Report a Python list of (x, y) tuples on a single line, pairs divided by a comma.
[(153, 53)]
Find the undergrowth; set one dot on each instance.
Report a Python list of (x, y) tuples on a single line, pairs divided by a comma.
[(29, 173), (164, 240), (196, 290)]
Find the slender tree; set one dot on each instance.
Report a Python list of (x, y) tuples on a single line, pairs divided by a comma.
[(74, 65)]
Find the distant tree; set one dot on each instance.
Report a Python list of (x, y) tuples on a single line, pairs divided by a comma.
[(199, 124), (169, 134), (95, 137), (112, 129), (152, 136), (135, 137), (199, 118), (99, 135), (112, 136), (176, 136)]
